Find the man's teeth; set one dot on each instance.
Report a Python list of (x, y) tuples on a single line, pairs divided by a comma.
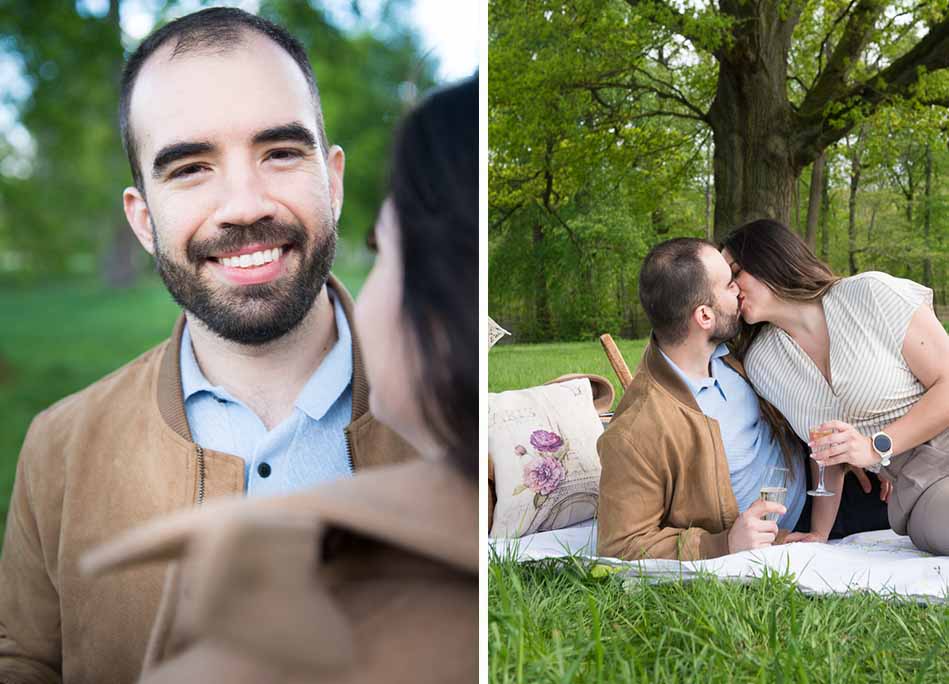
[(255, 259)]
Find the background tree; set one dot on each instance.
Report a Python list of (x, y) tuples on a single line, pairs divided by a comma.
[(611, 122)]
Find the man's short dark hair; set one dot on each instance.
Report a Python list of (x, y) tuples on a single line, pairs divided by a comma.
[(214, 30), (673, 281)]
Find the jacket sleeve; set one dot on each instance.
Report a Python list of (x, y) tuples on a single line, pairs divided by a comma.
[(632, 509), (30, 645)]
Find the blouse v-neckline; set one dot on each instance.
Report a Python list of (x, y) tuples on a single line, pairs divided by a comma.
[(828, 381)]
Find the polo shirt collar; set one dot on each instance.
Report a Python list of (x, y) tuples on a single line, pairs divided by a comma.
[(320, 392), (335, 372), (193, 380), (696, 386)]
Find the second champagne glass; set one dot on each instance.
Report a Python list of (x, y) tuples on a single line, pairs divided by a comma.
[(824, 415)]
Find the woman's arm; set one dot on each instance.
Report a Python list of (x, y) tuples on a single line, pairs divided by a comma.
[(823, 508), (926, 351)]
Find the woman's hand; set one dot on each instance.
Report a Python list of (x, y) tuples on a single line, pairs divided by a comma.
[(805, 537), (886, 487), (844, 445)]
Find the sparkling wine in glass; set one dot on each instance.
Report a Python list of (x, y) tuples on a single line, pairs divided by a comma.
[(775, 488), (815, 433)]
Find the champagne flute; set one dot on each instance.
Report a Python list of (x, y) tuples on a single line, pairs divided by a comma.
[(825, 414), (775, 488)]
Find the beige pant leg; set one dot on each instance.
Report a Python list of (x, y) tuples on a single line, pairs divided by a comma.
[(928, 524)]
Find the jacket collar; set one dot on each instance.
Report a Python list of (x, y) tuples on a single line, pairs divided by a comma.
[(440, 521), (665, 375), (170, 395)]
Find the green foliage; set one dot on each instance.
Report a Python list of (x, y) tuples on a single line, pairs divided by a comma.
[(599, 146)]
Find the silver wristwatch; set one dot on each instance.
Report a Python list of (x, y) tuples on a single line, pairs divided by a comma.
[(882, 444)]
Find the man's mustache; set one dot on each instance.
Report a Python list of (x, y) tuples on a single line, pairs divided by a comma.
[(237, 237)]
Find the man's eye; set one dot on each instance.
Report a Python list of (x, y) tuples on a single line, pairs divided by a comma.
[(189, 170), (285, 154)]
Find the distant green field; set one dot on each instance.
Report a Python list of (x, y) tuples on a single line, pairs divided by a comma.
[(515, 366), (62, 337)]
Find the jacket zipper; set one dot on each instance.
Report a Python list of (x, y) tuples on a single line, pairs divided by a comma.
[(349, 449), (201, 474)]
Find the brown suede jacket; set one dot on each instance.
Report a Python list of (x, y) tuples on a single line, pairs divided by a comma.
[(106, 459), (665, 490), (370, 579)]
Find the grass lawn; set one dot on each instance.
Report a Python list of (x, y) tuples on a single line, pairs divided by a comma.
[(515, 366), (62, 337), (560, 623), (563, 625)]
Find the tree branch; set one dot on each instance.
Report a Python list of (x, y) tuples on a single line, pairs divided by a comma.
[(930, 54), (504, 216), (833, 81), (675, 94), (823, 44), (675, 20), (570, 232), (637, 88)]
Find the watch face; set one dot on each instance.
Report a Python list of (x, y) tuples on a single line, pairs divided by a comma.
[(882, 443)]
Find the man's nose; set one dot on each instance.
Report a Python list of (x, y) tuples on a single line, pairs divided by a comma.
[(244, 199)]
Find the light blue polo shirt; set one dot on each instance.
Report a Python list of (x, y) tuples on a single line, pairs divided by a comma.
[(746, 435), (307, 448)]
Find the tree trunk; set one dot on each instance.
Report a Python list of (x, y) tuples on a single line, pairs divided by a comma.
[(852, 211), (813, 201), (121, 266), (541, 305), (120, 261), (751, 118), (709, 231), (927, 222), (910, 198), (825, 215)]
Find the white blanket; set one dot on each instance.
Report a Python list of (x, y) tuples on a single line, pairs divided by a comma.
[(882, 562)]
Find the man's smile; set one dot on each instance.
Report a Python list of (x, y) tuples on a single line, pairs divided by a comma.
[(250, 265)]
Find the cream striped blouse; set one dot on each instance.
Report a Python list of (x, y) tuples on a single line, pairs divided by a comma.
[(867, 318)]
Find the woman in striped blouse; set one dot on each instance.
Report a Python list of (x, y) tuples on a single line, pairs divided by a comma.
[(869, 348)]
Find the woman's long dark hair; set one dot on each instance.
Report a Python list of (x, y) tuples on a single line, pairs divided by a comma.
[(434, 187), (779, 258)]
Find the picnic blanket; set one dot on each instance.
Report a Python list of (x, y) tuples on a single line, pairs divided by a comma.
[(883, 562)]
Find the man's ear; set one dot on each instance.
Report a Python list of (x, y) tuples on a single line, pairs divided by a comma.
[(136, 211), (704, 317), (335, 166)]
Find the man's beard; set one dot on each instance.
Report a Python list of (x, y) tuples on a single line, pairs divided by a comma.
[(251, 314), (726, 327)]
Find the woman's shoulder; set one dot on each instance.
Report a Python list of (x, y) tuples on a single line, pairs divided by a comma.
[(882, 289)]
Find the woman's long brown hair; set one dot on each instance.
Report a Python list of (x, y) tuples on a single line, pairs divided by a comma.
[(779, 258)]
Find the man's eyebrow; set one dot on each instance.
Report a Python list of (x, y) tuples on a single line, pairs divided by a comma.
[(294, 131), (175, 151)]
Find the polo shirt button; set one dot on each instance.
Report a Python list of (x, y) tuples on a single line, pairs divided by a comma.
[(263, 470)]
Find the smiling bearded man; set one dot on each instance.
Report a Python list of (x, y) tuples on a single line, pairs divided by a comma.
[(262, 310), (260, 388)]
